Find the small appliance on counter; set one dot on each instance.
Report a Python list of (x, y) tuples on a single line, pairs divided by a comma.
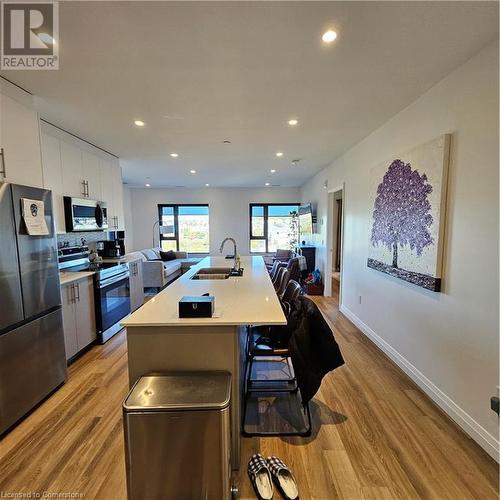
[(109, 249), (111, 288), (202, 306), (119, 237)]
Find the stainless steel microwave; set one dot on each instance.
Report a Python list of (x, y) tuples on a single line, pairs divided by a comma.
[(82, 214)]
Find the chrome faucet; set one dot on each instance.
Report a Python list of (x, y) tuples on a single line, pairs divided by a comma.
[(235, 251)]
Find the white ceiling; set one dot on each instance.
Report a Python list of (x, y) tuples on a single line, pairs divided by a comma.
[(201, 72)]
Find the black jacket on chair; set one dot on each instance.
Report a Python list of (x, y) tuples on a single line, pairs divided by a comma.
[(312, 346)]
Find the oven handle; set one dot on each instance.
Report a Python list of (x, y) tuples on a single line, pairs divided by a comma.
[(113, 280)]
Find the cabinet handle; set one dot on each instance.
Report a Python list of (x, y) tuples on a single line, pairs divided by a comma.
[(84, 192), (72, 297), (4, 168), (87, 189), (78, 296)]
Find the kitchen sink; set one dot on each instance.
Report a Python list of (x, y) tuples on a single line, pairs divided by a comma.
[(216, 273)]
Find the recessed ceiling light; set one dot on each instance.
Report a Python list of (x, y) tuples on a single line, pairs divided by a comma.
[(139, 123), (273, 170), (193, 171), (279, 154), (174, 155), (226, 141), (207, 184), (329, 36), (148, 185), (293, 122), (267, 184)]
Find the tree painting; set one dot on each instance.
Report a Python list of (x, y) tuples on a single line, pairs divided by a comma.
[(407, 203), (402, 209)]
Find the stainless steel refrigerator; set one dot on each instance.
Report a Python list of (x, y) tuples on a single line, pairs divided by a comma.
[(32, 356)]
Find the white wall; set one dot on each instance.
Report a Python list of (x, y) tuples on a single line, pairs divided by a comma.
[(127, 214), (447, 341), (229, 211)]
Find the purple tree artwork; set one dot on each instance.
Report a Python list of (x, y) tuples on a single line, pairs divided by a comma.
[(401, 214), (407, 204)]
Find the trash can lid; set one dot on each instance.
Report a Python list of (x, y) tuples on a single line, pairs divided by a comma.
[(208, 390)]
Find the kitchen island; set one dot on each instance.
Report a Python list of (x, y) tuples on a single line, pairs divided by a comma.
[(158, 340)]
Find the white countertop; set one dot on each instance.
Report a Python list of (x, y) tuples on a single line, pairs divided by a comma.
[(66, 277), (246, 300)]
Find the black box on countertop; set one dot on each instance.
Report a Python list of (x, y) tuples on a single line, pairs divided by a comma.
[(197, 306)]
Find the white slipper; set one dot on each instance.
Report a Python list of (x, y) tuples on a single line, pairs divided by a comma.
[(259, 474), (283, 478)]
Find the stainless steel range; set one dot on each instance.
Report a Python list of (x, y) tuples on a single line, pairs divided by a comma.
[(111, 288)]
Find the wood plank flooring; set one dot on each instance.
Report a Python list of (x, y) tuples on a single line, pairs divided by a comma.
[(376, 435)]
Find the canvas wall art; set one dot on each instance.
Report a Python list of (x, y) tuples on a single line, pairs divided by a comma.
[(407, 214)]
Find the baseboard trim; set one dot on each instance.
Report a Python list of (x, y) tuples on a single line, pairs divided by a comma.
[(472, 428)]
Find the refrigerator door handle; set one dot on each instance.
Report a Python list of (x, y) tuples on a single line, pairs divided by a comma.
[(4, 168)]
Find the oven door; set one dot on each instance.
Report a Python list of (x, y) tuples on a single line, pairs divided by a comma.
[(112, 301)]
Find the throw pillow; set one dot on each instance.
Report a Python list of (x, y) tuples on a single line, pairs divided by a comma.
[(166, 256)]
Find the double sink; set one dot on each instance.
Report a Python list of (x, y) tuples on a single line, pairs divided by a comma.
[(216, 273)]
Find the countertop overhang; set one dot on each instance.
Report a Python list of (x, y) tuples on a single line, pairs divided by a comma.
[(246, 300)]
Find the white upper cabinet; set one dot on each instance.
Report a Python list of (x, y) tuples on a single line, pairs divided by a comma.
[(118, 197), (72, 171), (112, 188), (92, 175), (72, 167), (19, 138), (52, 177)]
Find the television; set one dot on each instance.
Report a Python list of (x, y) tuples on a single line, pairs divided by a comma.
[(305, 221)]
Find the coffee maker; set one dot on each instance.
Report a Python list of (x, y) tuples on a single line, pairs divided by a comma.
[(109, 249), (114, 247)]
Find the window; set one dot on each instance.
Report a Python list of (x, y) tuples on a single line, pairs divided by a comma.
[(184, 228), (270, 226)]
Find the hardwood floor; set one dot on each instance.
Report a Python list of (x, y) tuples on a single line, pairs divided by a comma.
[(376, 435)]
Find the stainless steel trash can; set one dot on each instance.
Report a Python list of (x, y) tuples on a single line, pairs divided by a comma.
[(177, 436)]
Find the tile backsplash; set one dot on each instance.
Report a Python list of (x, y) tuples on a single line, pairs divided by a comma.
[(75, 239)]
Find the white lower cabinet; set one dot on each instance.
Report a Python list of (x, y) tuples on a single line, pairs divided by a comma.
[(78, 315), (136, 285)]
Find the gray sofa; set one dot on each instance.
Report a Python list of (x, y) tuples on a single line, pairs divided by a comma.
[(157, 273)]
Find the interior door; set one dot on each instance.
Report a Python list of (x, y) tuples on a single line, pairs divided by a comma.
[(10, 285)]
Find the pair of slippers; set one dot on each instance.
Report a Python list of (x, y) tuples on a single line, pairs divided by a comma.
[(263, 472)]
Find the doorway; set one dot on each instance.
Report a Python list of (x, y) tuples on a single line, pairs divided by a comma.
[(336, 217)]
